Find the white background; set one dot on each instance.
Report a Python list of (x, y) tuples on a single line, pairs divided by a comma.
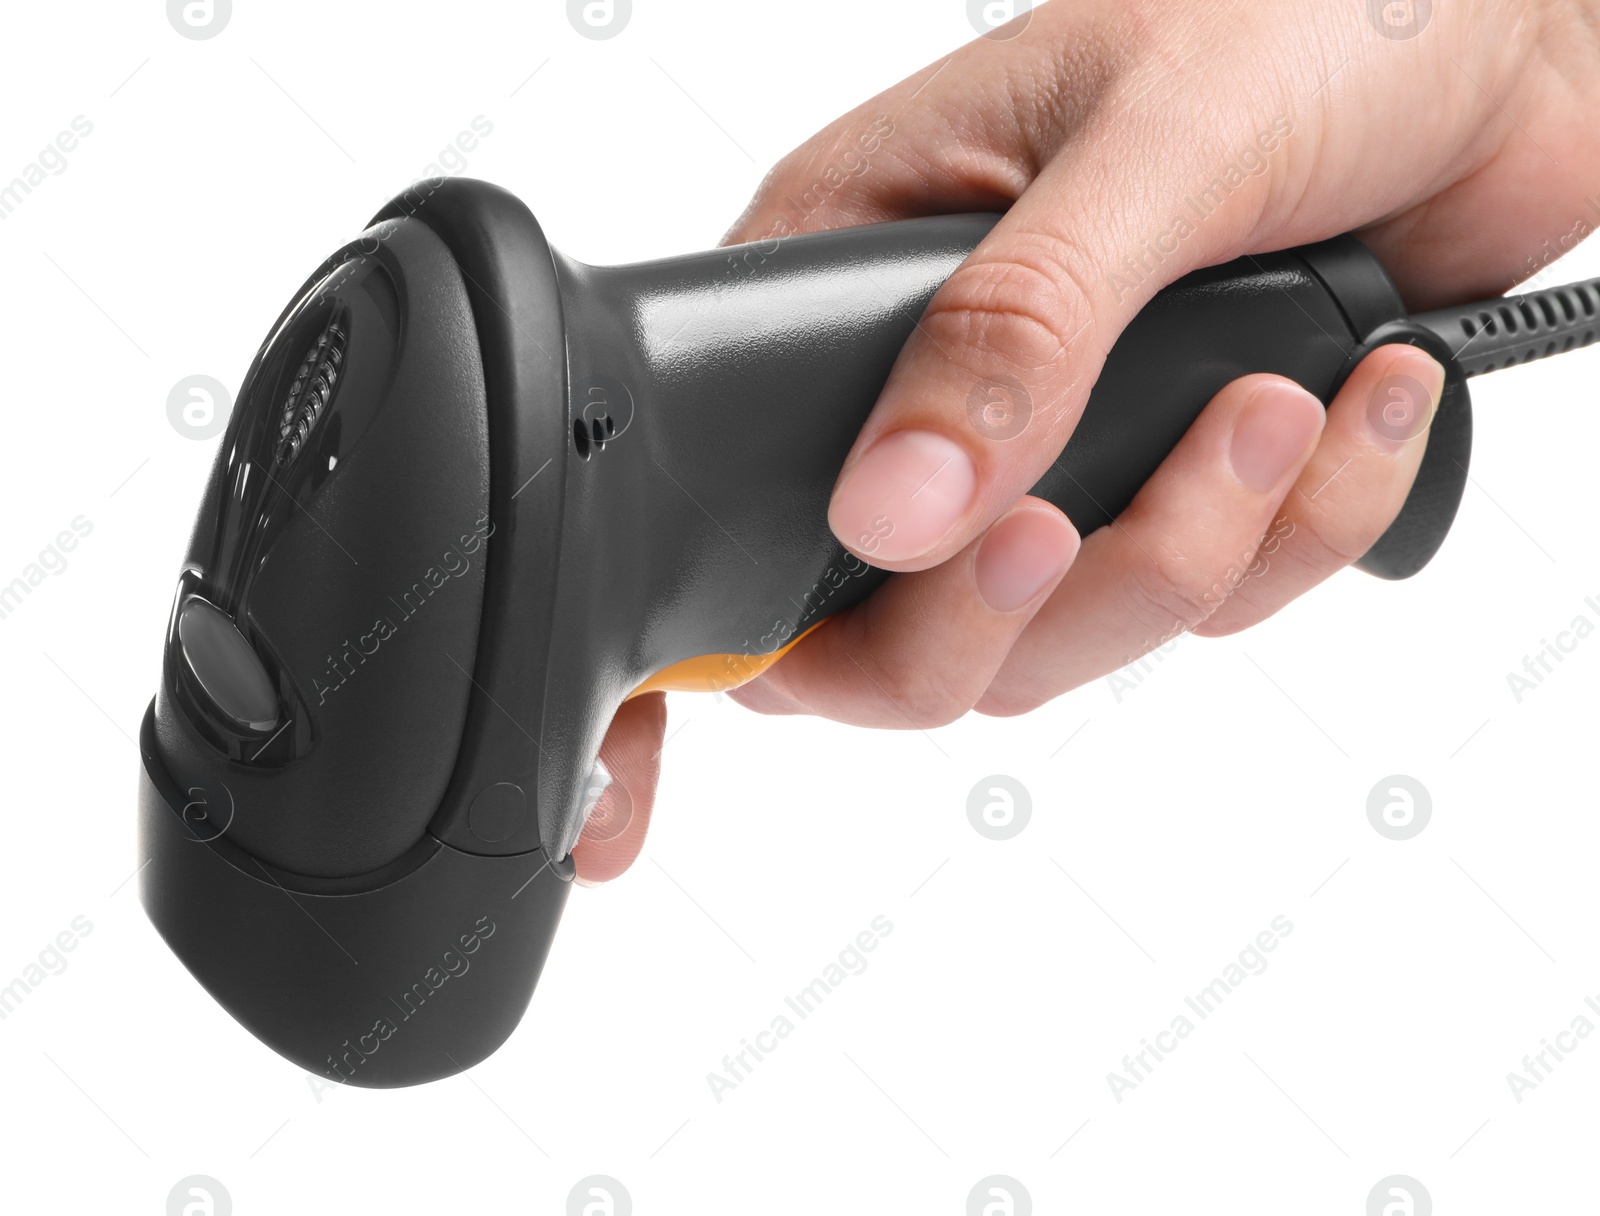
[(1229, 788)]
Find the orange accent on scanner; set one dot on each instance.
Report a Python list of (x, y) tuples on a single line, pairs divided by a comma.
[(714, 672)]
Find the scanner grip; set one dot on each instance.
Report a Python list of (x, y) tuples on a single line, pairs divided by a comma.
[(715, 396)]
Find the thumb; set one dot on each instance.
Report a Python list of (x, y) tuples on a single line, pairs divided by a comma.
[(1052, 122)]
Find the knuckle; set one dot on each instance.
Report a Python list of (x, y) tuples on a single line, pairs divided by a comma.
[(1325, 541), (925, 695), (1023, 306), (1243, 612), (1171, 590)]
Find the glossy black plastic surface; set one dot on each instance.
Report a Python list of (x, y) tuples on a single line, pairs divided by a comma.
[(353, 568), (404, 975)]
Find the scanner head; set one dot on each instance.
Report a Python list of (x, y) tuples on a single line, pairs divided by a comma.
[(344, 848)]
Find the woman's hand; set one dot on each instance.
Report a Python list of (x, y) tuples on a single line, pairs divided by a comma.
[(1129, 143)]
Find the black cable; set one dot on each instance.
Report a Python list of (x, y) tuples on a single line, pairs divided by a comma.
[(1494, 334)]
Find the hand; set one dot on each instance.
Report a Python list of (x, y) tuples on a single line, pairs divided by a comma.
[(1129, 145)]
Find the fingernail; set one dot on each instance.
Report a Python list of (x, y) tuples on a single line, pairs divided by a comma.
[(903, 496), (1021, 554), (1273, 433), (1402, 405)]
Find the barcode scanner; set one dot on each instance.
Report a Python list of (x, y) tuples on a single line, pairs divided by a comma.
[(474, 494)]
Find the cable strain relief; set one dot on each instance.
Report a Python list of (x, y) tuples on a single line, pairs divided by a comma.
[(1490, 335)]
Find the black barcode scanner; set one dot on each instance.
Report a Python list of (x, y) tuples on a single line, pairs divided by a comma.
[(474, 494)]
